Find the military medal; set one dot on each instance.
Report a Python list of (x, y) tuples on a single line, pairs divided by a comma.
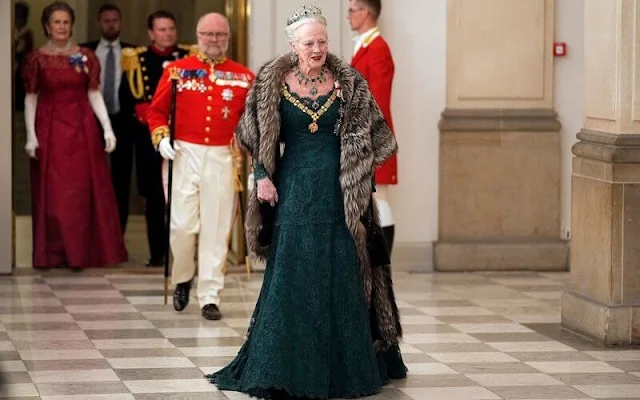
[(313, 127), (225, 112), (212, 73), (227, 94)]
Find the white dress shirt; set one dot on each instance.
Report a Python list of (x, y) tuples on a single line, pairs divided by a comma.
[(101, 52), (361, 38)]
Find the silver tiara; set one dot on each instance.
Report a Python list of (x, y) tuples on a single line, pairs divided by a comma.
[(304, 12)]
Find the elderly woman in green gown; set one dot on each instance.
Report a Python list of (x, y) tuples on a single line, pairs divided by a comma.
[(325, 324)]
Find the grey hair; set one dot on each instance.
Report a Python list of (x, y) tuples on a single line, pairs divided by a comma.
[(291, 29)]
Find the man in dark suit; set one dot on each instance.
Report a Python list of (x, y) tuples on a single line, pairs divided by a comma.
[(142, 68), (109, 51)]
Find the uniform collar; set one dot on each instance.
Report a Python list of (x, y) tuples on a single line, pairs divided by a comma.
[(366, 38), (206, 59), (162, 53)]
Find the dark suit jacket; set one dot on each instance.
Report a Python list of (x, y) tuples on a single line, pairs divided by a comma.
[(93, 45)]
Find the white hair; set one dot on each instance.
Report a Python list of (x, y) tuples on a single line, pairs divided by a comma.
[(293, 28)]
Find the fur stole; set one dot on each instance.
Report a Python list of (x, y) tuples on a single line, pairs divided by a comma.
[(366, 141)]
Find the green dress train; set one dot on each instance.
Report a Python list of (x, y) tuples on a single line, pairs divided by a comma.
[(309, 336)]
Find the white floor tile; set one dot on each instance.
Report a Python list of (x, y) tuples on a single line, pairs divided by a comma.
[(171, 386), (491, 328), (66, 376), (533, 379), (19, 390), (472, 357), (112, 344), (221, 351), (150, 362), (610, 391), (534, 347), (430, 369), (451, 393), (573, 367), (418, 338), (174, 333)]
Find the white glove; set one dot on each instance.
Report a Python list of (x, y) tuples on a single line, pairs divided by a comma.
[(166, 151), (32, 145), (30, 105), (110, 141), (97, 104)]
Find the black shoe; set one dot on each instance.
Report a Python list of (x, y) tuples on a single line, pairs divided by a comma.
[(155, 262), (181, 296), (211, 311)]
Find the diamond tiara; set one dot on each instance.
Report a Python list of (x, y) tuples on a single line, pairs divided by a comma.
[(304, 12)]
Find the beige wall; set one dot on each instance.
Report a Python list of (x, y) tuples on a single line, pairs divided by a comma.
[(5, 138), (36, 6), (569, 92), (499, 54)]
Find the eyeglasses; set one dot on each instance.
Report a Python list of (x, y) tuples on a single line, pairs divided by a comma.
[(355, 10), (211, 35)]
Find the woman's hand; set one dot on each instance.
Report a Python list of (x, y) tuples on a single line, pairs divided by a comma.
[(110, 141), (267, 192), (32, 145)]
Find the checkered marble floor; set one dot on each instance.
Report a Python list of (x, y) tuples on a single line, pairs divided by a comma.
[(467, 336)]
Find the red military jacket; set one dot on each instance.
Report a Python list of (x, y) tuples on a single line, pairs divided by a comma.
[(374, 61), (209, 102)]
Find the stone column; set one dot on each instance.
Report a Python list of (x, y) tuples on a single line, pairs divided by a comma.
[(499, 140), (603, 298)]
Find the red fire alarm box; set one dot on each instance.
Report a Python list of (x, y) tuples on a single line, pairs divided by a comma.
[(559, 49)]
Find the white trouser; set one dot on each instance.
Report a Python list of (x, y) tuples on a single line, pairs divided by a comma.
[(384, 209), (202, 205)]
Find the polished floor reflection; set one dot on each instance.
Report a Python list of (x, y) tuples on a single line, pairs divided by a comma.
[(101, 334)]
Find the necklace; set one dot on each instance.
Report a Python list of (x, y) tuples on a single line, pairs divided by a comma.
[(315, 115), (57, 49), (301, 77)]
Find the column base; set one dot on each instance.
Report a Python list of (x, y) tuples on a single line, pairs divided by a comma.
[(603, 323), (501, 256)]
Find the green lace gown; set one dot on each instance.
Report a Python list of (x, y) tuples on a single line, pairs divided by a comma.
[(309, 336)]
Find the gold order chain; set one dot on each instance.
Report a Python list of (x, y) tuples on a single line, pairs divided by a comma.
[(315, 115)]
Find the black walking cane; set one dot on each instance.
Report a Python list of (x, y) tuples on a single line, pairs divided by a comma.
[(174, 76)]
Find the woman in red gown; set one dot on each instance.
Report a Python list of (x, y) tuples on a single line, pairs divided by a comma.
[(75, 218)]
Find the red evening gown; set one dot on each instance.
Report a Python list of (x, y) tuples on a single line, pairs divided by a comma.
[(75, 217)]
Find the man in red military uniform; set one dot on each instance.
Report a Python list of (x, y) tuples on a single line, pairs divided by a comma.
[(211, 92), (372, 58)]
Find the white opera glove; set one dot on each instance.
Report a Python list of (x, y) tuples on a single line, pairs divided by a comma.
[(30, 106), (166, 151), (110, 141), (97, 104)]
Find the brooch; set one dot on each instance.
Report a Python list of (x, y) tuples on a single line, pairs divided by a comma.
[(79, 62)]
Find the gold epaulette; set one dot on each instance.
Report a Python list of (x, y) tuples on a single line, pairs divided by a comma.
[(191, 48), (130, 64), (130, 60)]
